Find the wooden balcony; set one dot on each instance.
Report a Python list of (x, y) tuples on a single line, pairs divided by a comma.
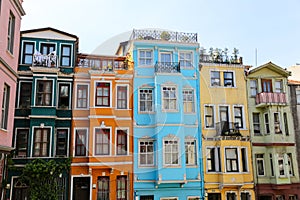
[(264, 99)]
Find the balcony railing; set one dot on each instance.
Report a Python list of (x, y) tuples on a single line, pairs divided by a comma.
[(103, 65), (164, 35), (167, 67), (264, 98), (41, 60), (225, 128)]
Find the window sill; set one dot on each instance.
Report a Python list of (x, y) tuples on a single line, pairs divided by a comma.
[(148, 166), (142, 112), (171, 166), (171, 111)]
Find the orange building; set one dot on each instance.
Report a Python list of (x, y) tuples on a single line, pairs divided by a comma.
[(101, 141)]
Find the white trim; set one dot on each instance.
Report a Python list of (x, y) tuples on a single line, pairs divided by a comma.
[(162, 97), (110, 93), (87, 141), (127, 138), (35, 91), (94, 142), (75, 96), (69, 94), (171, 137), (71, 54), (148, 139), (19, 90), (194, 99), (152, 57), (22, 50), (214, 115), (50, 141), (79, 176), (228, 112), (127, 96), (95, 164), (67, 138), (243, 115), (192, 59)]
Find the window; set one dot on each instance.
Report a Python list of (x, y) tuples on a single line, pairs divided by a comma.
[(121, 187), (278, 86), (209, 116), (260, 165), (256, 124), (82, 96), (280, 197), (122, 97), (165, 57), (103, 94), (266, 85), (228, 79), (41, 142), (281, 165), (5, 106), (253, 88), (267, 123), (81, 142), (146, 100), (185, 59), (169, 98), (102, 141), (215, 78), (146, 153), (238, 116), (213, 159), (25, 95), (290, 164), (121, 142), (22, 142), (61, 142), (214, 196), (190, 152), (66, 55), (171, 151), (293, 197), (147, 197), (286, 125), (145, 57), (230, 196), (11, 33), (63, 97), (103, 188), (244, 160), (277, 123), (188, 101), (20, 190), (298, 95), (271, 164), (44, 93), (61, 185), (231, 157), (28, 50), (245, 196), (47, 48)]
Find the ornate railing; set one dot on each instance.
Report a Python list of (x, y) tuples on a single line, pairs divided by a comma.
[(164, 35), (40, 60), (167, 67), (102, 64), (270, 97), (225, 128)]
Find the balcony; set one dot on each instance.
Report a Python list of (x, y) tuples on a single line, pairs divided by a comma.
[(167, 67), (225, 128), (40, 60), (269, 98)]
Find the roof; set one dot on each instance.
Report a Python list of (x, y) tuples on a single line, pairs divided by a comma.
[(48, 29), (272, 67)]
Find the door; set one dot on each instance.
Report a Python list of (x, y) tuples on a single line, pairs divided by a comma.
[(224, 118), (47, 48), (81, 188)]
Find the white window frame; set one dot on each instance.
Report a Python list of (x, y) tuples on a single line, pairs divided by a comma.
[(297, 92), (253, 88), (50, 141), (110, 141), (76, 96), (256, 123), (191, 142), (280, 88), (52, 92), (169, 198), (171, 138), (187, 102), (127, 140), (152, 100), (216, 160), (243, 127), (169, 98), (71, 53), (11, 33), (237, 159), (267, 124), (69, 93), (146, 153), (215, 83), (185, 53), (290, 164), (213, 116), (110, 94), (277, 123), (263, 163), (22, 61), (5, 107), (87, 141), (166, 53), (19, 92), (145, 58), (127, 96)]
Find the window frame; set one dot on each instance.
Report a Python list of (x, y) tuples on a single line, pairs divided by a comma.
[(146, 101), (253, 88), (59, 104), (11, 32), (62, 56), (48, 142), (230, 165), (277, 123), (228, 80), (22, 142), (168, 99), (207, 116), (240, 117), (267, 124), (215, 81), (280, 158), (297, 93), (66, 142), (188, 105), (103, 97), (259, 160), (25, 54), (150, 142), (290, 164), (213, 156), (106, 189), (244, 159), (21, 97), (256, 123), (280, 88), (126, 133), (121, 188), (78, 99), (5, 106), (76, 144), (170, 141), (98, 131), (190, 142), (43, 92), (145, 58), (186, 62), (161, 53), (125, 99)]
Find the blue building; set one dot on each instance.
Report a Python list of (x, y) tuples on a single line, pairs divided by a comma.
[(167, 137)]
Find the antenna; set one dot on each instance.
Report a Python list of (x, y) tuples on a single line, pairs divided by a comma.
[(255, 57)]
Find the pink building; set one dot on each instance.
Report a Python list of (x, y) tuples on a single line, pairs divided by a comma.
[(10, 22)]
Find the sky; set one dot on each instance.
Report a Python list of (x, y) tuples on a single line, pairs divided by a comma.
[(262, 30)]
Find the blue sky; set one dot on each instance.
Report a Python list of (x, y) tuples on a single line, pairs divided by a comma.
[(270, 26)]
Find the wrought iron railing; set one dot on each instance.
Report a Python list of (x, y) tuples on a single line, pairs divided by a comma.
[(225, 128), (164, 35), (270, 97), (41, 60), (167, 67)]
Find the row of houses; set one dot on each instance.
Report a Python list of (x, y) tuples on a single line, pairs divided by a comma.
[(159, 120)]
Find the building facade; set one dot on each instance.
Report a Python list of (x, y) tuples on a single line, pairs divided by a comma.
[(167, 144), (11, 13), (102, 133), (43, 112), (272, 132), (226, 142)]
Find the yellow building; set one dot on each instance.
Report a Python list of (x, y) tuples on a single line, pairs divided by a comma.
[(226, 144)]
